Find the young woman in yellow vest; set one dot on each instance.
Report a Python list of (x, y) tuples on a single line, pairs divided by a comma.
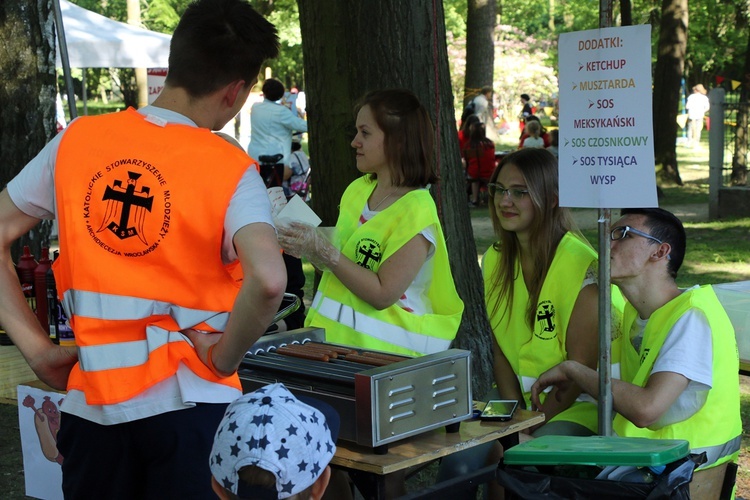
[(387, 283), (541, 290), (541, 293)]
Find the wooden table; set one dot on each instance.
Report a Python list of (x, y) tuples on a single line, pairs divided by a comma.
[(362, 463)]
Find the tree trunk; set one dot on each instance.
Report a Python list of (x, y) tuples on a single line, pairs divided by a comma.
[(670, 64), (739, 160), (480, 47), (350, 49), (626, 13), (27, 95)]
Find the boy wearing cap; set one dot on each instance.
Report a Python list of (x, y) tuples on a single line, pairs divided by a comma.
[(271, 445)]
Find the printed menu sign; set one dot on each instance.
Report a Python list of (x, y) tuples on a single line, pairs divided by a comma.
[(606, 128)]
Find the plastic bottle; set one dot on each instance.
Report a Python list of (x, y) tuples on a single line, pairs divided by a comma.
[(59, 329), (40, 287), (51, 293), (25, 270)]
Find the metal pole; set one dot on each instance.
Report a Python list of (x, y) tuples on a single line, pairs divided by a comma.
[(715, 150), (65, 59), (605, 296)]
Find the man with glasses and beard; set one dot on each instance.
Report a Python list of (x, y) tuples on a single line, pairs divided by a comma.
[(678, 354)]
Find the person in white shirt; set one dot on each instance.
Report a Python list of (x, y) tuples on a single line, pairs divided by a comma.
[(678, 354), (272, 125), (697, 106)]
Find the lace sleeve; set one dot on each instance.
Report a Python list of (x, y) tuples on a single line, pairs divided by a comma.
[(592, 275)]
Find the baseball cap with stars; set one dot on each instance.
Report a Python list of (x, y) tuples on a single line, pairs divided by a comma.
[(275, 431)]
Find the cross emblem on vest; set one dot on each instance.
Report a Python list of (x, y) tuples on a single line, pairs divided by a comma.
[(545, 314), (367, 254), (130, 200)]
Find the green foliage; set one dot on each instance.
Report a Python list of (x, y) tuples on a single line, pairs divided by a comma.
[(288, 66), (455, 17), (520, 66)]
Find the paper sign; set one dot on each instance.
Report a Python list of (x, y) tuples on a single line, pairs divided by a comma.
[(606, 126), (155, 79), (298, 211), (39, 421)]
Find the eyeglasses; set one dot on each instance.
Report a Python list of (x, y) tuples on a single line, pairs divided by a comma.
[(515, 193), (620, 232)]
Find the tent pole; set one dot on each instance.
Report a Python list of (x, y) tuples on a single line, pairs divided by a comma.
[(65, 59), (84, 90)]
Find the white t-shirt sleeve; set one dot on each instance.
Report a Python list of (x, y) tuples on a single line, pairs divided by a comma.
[(688, 349), (33, 189), (249, 204)]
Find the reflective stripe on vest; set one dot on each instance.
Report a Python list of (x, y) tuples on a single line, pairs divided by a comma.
[(377, 329), (125, 354), (117, 307), (719, 451)]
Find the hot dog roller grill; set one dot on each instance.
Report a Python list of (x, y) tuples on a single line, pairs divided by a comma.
[(378, 405)]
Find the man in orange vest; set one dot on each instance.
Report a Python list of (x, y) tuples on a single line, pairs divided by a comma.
[(154, 213)]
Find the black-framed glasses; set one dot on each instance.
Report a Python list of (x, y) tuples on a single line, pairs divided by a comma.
[(620, 232), (515, 193)]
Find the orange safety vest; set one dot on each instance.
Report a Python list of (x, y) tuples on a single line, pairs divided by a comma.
[(141, 211)]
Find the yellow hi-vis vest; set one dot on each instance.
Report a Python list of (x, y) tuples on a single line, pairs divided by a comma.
[(716, 428), (531, 353), (141, 207), (351, 321)]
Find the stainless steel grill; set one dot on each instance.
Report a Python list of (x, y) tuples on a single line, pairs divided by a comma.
[(378, 404)]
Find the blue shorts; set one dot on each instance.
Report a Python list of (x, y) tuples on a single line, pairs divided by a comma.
[(164, 456)]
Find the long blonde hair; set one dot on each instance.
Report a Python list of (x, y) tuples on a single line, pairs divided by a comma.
[(551, 222)]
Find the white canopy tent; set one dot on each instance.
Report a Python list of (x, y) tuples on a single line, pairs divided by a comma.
[(95, 41), (90, 40)]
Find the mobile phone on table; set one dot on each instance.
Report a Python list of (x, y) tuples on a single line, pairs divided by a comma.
[(499, 410)]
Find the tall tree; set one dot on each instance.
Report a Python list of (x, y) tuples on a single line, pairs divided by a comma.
[(480, 47), (27, 94), (739, 159), (670, 64), (343, 61)]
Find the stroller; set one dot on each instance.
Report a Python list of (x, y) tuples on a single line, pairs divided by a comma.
[(272, 172), (302, 187)]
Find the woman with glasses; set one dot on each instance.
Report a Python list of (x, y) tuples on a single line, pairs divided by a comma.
[(541, 293), (541, 290)]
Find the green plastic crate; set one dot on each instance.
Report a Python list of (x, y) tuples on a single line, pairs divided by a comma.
[(596, 450)]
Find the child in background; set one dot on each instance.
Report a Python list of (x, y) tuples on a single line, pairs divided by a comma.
[(272, 445), (533, 130), (479, 155), (300, 164), (554, 138)]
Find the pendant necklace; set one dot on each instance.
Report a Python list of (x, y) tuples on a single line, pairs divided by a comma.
[(375, 208)]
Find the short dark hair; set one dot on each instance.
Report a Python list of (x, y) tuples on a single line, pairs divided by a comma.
[(665, 226), (525, 97), (409, 139), (217, 42), (273, 89)]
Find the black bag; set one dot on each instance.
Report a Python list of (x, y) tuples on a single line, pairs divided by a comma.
[(469, 110), (673, 484)]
